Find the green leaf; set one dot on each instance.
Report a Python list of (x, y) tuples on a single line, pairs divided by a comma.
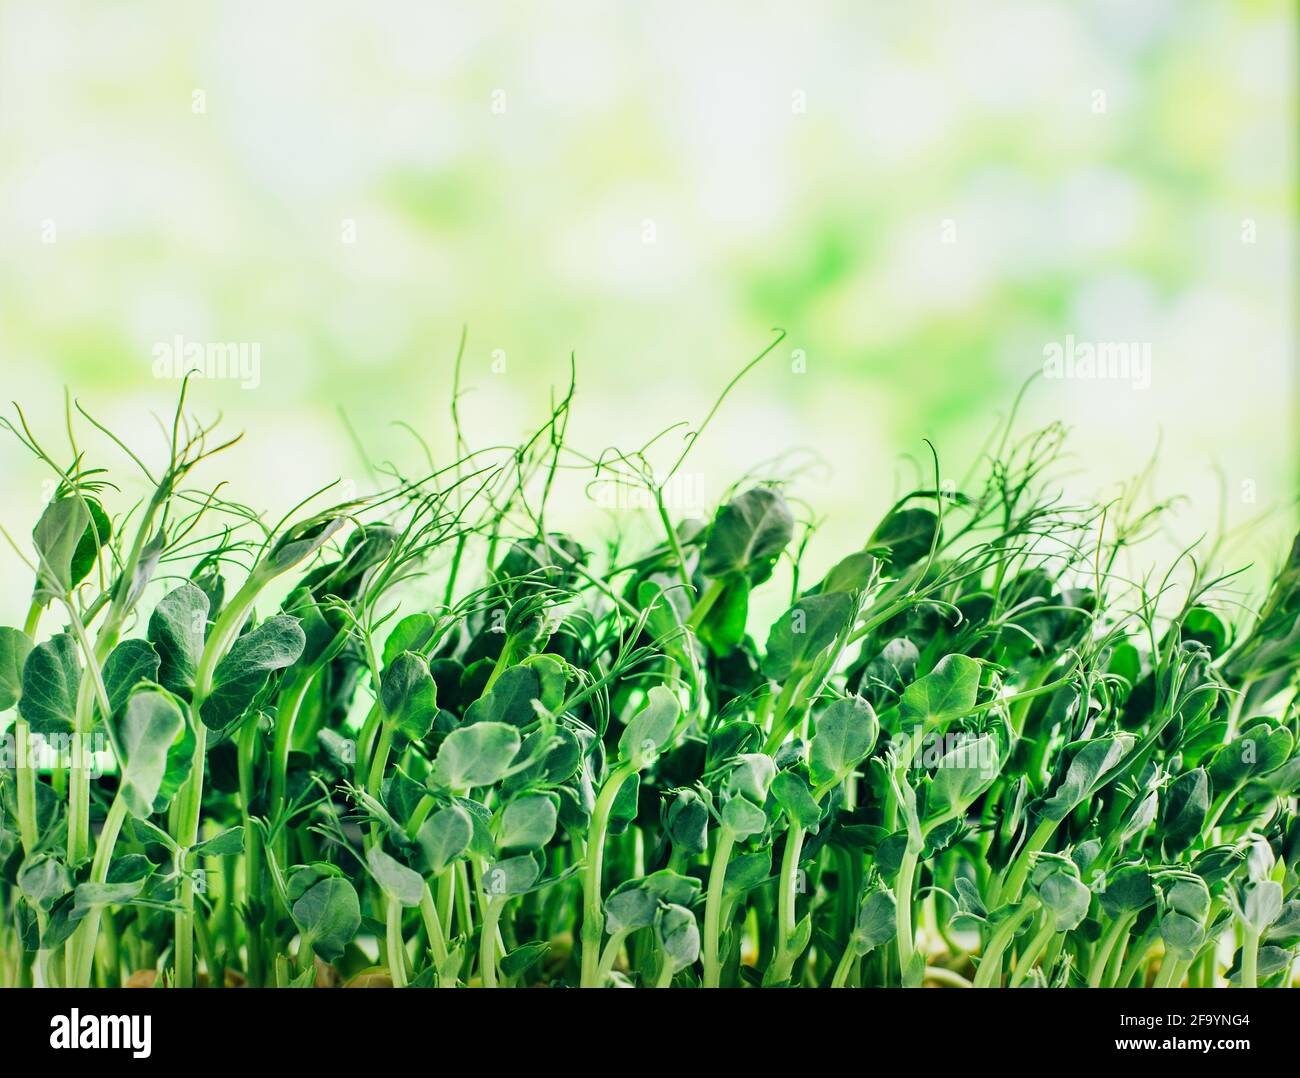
[(519, 961), (273, 645), (328, 916), (723, 628), (678, 936), (962, 773), (1285, 929), (528, 821), (226, 844), (667, 610), (743, 818), (947, 692), (631, 905), (552, 679), (51, 677), (623, 811), (846, 734), (1056, 879), (149, 725), (444, 836), (802, 633), (1182, 936), (15, 647), (541, 678), (130, 663), (57, 537), (397, 881), (561, 756), (412, 633), (409, 696), (477, 755), (180, 760), (43, 880), (64, 917), (96, 535), (851, 574), (748, 533), (904, 537), (1263, 904), (752, 776), (86, 896), (686, 818), (511, 876), (794, 796), (1087, 772), (1260, 748), (1190, 896), (1274, 643), (1128, 888), (299, 542), (746, 872), (177, 628), (1186, 805), (650, 729), (875, 923)]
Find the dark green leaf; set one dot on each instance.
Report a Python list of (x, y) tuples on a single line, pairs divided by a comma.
[(749, 531), (51, 677), (650, 729), (176, 629), (477, 755), (409, 696), (946, 693), (273, 645), (328, 916), (904, 537), (802, 633), (444, 836), (846, 734), (150, 723), (401, 883), (794, 796), (15, 647), (130, 663)]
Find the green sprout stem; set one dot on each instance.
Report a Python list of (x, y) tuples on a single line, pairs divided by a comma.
[(593, 916), (713, 905)]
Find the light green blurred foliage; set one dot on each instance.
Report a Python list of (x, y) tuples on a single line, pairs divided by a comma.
[(923, 195)]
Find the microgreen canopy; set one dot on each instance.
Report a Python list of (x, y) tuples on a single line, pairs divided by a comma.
[(426, 739)]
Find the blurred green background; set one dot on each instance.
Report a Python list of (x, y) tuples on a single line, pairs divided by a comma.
[(924, 196)]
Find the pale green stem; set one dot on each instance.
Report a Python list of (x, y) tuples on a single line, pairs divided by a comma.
[(1249, 958), (906, 940), (81, 950), (487, 956), (784, 960), (991, 960), (395, 944), (610, 954), (844, 966), (593, 916), (1036, 947), (713, 906), (1101, 957), (433, 927)]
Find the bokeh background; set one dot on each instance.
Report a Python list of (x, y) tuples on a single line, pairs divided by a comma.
[(923, 195)]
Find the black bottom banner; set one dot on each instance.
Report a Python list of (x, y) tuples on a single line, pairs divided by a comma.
[(343, 1027)]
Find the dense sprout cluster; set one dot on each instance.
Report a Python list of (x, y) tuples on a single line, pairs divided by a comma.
[(423, 739)]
